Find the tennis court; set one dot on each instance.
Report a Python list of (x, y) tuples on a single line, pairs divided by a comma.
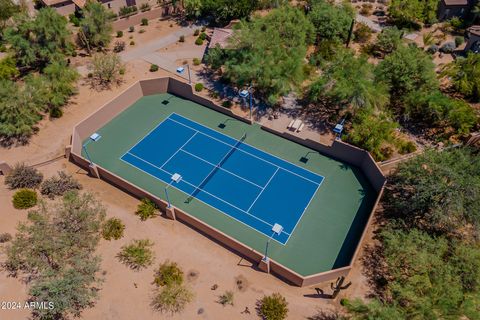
[(245, 183)]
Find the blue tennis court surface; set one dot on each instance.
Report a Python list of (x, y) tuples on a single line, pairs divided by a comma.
[(247, 184)]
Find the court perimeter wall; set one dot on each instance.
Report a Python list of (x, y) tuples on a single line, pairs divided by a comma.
[(338, 150)]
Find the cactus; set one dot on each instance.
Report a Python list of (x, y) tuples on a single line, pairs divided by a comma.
[(339, 286)]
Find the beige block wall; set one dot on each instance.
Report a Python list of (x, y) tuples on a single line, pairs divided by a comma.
[(339, 150)]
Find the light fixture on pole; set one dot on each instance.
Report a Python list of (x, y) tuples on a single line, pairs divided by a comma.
[(277, 229), (93, 138), (174, 178), (339, 129), (182, 68), (247, 93)]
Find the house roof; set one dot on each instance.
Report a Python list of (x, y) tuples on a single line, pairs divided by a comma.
[(456, 2), (475, 30), (54, 2), (80, 3), (220, 36)]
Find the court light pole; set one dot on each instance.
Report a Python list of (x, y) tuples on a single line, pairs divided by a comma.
[(175, 178), (182, 68), (277, 229), (93, 138), (248, 93)]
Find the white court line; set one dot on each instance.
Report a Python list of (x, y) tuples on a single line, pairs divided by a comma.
[(223, 169), (173, 155), (196, 187), (258, 196), (305, 209), (246, 152), (209, 205), (148, 133)]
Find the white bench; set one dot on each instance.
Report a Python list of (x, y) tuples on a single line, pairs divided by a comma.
[(290, 124), (301, 127)]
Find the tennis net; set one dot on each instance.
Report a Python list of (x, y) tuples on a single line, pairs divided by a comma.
[(217, 166)]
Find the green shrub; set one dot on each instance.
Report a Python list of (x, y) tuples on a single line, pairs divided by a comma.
[(23, 176), (362, 33), (55, 112), (119, 34), (144, 22), (204, 28), (24, 199), (459, 41), (90, 75), (121, 71), (58, 186), (172, 299), (227, 104), (203, 36), (132, 43), (199, 41), (131, 29), (273, 307), (196, 32), (145, 7), (167, 274), (198, 87), (127, 11), (74, 19), (146, 209), (5, 237), (366, 9), (406, 146), (141, 31), (182, 38), (226, 298), (113, 229), (153, 68), (137, 255), (196, 61), (119, 46)]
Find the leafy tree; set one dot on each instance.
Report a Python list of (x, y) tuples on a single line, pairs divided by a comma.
[(223, 11), (54, 251), (374, 309), (37, 41), (438, 192), (137, 255), (18, 113), (411, 12), (372, 131), (465, 75), (332, 22), (95, 27), (8, 9), (8, 68), (273, 307), (389, 40), (349, 82), (269, 52), (406, 70), (215, 57), (193, 8), (435, 108), (106, 69)]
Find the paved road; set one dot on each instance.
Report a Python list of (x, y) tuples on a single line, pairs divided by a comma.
[(373, 25), (149, 48)]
